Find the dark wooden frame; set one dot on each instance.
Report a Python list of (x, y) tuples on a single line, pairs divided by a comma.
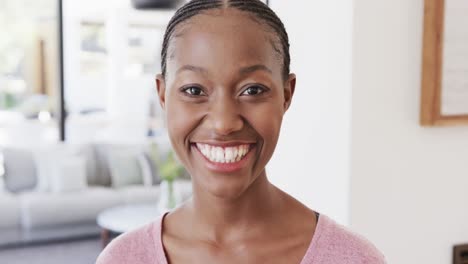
[(459, 253), (61, 113), (431, 86)]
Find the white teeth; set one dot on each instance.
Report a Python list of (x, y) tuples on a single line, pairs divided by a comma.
[(228, 154), (211, 153), (234, 157), (219, 154), (223, 155)]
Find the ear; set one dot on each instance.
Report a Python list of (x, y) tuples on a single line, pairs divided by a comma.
[(289, 87), (161, 88)]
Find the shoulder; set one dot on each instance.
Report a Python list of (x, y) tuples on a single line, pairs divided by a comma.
[(339, 244), (137, 246)]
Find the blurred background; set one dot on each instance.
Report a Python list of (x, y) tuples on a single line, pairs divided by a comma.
[(352, 146)]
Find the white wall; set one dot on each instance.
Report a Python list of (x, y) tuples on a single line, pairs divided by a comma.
[(409, 184), (312, 158)]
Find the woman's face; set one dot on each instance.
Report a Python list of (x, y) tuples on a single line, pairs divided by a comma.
[(224, 96)]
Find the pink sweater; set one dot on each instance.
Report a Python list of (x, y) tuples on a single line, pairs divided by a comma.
[(331, 243)]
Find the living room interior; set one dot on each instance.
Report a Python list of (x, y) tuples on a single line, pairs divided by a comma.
[(84, 155)]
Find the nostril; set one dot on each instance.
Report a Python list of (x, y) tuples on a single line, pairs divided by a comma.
[(225, 125), (227, 128)]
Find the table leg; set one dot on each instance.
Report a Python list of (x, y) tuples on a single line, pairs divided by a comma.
[(105, 236)]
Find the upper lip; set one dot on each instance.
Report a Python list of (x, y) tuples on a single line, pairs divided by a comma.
[(224, 143)]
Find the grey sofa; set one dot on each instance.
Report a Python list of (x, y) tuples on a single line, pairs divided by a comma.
[(29, 214)]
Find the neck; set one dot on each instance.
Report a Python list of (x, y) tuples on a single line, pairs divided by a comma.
[(224, 219)]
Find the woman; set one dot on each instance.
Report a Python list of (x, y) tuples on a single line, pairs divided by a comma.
[(225, 87)]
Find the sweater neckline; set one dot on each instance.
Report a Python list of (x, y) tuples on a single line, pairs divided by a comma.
[(309, 255)]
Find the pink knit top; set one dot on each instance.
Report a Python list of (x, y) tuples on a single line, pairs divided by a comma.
[(331, 243)]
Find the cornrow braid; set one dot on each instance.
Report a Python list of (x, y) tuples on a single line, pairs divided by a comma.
[(184, 13), (259, 10)]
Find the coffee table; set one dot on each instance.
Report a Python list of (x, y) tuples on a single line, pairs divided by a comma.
[(124, 218)]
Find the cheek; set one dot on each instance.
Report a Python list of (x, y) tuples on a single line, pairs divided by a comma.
[(181, 120), (178, 118), (266, 121)]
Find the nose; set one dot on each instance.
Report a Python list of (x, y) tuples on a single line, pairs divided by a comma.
[(224, 117)]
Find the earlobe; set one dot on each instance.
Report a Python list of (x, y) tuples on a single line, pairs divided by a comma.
[(289, 88), (161, 89)]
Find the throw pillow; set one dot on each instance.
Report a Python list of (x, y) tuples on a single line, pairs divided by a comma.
[(68, 174), (124, 169), (2, 173), (154, 169), (20, 170), (46, 158), (145, 170), (102, 152)]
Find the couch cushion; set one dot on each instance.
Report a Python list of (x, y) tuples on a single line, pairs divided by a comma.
[(145, 170), (39, 209), (47, 157), (125, 169), (101, 154), (2, 184), (2, 173), (9, 210), (139, 194), (149, 170), (20, 170), (151, 194), (68, 175)]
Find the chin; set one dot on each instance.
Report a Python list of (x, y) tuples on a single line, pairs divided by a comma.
[(227, 187)]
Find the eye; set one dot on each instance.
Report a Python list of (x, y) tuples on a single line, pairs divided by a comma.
[(193, 91), (254, 90)]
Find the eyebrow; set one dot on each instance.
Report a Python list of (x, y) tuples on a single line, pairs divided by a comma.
[(192, 68), (242, 71), (258, 67)]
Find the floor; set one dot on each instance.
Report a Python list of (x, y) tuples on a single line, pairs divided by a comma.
[(70, 252)]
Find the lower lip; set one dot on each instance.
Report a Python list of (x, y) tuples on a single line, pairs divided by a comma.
[(226, 167)]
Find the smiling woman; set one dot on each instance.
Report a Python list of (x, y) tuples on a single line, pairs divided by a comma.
[(225, 87)]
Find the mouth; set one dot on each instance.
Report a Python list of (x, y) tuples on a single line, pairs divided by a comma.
[(225, 157)]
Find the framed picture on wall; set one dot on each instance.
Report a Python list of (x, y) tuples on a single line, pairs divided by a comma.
[(444, 88), (93, 48), (143, 49)]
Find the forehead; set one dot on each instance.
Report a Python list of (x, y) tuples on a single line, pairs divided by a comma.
[(226, 38)]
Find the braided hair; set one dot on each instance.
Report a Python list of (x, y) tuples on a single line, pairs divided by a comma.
[(259, 10)]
